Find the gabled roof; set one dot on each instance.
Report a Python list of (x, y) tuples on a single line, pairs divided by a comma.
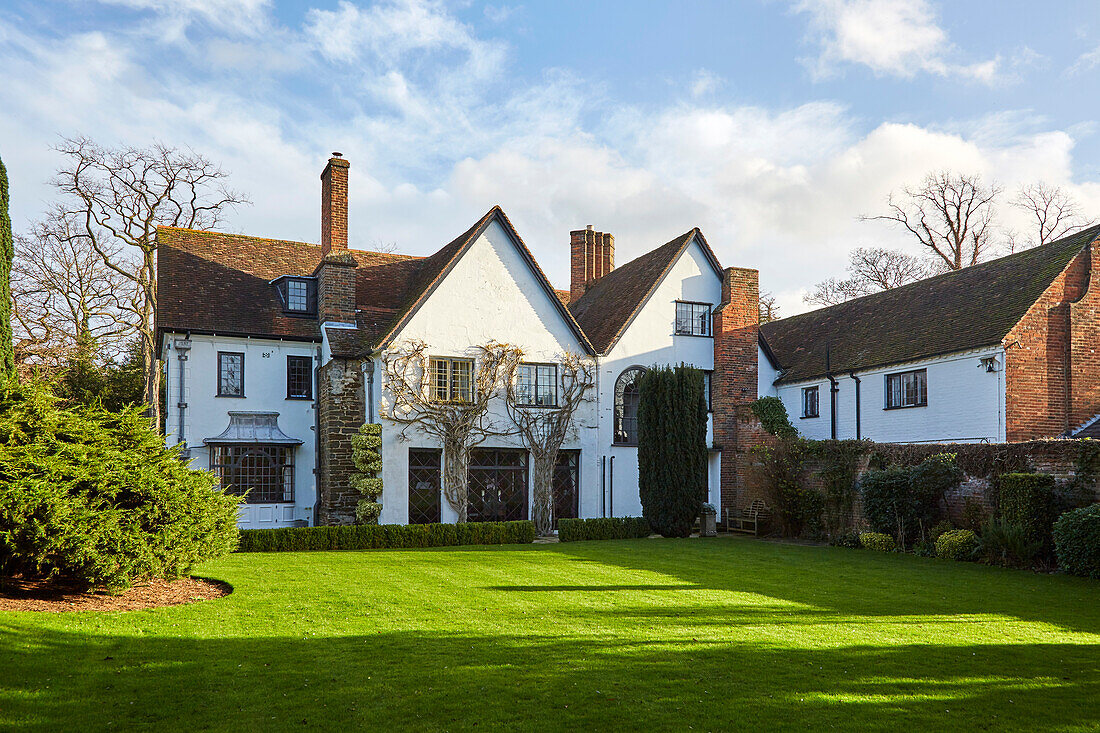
[(212, 282), (610, 304), (957, 311)]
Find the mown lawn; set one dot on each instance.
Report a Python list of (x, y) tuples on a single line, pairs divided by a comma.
[(648, 634)]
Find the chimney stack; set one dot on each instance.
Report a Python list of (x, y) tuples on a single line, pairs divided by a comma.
[(334, 206), (591, 256)]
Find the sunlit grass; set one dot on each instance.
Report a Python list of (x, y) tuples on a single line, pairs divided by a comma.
[(648, 634)]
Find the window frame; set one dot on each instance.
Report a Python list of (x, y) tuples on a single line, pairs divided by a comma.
[(309, 377), (620, 434), (221, 393), (450, 361), (922, 389), (815, 390), (536, 366), (227, 458), (707, 321), (708, 387)]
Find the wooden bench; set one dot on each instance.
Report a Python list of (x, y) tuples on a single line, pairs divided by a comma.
[(748, 519)]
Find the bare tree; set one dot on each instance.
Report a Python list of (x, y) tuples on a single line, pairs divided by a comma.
[(459, 420), (871, 270), (1054, 213), (769, 309), (544, 429), (950, 214), (118, 197), (66, 298)]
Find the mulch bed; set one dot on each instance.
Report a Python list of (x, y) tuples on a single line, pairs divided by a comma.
[(17, 594)]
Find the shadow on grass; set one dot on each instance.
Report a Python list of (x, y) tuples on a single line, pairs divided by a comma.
[(855, 582), (54, 680)]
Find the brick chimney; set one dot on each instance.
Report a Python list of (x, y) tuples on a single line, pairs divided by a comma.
[(334, 205), (733, 386), (336, 273), (591, 256)]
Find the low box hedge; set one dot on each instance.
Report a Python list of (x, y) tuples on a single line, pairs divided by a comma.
[(879, 541), (385, 536), (609, 528), (957, 544)]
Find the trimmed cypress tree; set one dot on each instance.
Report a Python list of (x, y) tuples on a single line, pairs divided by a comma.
[(366, 451), (7, 253), (672, 448)]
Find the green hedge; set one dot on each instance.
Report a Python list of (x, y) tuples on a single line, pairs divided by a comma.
[(385, 536), (1077, 541), (1027, 501), (617, 528), (957, 544), (877, 541)]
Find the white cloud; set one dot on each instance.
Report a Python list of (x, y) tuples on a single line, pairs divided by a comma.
[(774, 188), (890, 37), (1085, 62), (176, 16), (705, 82)]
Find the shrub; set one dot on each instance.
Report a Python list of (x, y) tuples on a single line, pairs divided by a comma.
[(957, 544), (386, 536), (672, 448), (798, 510), (366, 452), (877, 541), (905, 501), (773, 417), (1077, 541), (1007, 544), (96, 499), (944, 525), (1027, 501), (925, 548), (609, 528), (846, 539), (930, 480)]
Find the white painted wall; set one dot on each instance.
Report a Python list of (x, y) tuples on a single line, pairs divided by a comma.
[(966, 404), (207, 415), (648, 340), (491, 294)]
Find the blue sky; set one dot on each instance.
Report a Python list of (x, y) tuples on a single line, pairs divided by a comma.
[(772, 125)]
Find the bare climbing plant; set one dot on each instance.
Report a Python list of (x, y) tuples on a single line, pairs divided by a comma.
[(544, 429), (460, 422)]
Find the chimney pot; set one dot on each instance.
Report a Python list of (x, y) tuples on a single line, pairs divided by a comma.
[(591, 256), (589, 227)]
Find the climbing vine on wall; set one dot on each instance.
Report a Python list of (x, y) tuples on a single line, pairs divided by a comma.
[(840, 465), (773, 416), (366, 452)]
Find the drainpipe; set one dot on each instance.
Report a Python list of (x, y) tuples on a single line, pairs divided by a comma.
[(317, 435), (611, 491), (183, 346), (833, 389), (853, 376), (368, 387)]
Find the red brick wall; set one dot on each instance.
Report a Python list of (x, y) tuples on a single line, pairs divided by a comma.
[(591, 256), (1052, 375), (334, 206), (336, 288), (736, 335), (1085, 345)]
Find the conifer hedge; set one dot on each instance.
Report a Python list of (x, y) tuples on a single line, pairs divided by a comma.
[(7, 253), (672, 448)]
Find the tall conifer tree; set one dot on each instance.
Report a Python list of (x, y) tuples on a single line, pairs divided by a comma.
[(7, 253), (672, 448)]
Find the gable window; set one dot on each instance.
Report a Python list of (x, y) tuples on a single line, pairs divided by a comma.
[(451, 379), (626, 406), (907, 389), (809, 402), (537, 385), (299, 378), (297, 294), (692, 319), (230, 374)]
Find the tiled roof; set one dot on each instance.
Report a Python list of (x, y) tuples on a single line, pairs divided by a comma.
[(611, 302), (958, 311), (220, 283)]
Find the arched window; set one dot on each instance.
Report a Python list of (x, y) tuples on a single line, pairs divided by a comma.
[(626, 406)]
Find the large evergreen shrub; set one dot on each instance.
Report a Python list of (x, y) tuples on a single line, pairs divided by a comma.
[(1026, 500), (906, 502), (1077, 541), (672, 448), (95, 498)]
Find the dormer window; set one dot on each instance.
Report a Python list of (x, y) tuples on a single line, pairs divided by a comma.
[(297, 294)]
